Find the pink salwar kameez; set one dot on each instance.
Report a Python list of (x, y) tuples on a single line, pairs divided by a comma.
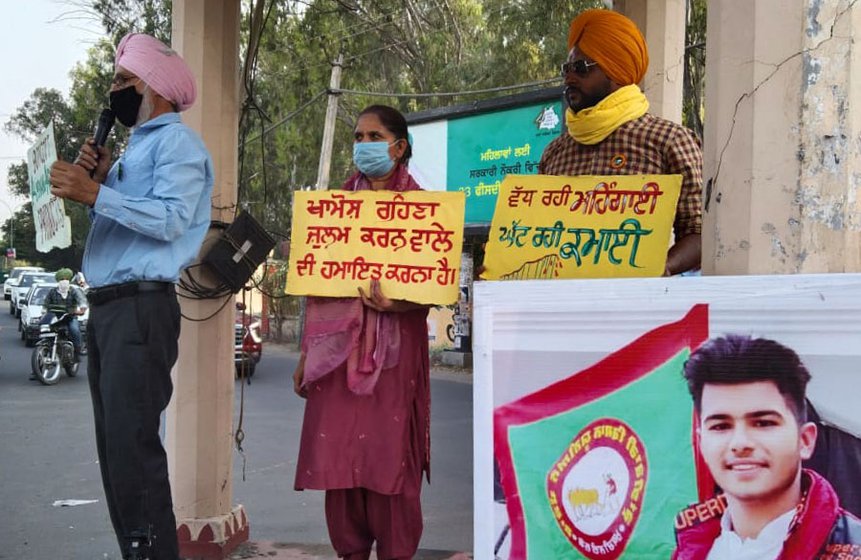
[(366, 431)]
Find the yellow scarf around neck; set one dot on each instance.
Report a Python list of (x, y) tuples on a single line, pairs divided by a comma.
[(593, 124)]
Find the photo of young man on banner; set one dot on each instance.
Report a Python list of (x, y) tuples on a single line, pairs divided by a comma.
[(754, 432)]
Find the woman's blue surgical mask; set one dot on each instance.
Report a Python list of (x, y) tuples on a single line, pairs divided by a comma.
[(372, 158)]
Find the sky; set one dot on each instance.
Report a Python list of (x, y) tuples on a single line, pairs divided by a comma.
[(40, 46)]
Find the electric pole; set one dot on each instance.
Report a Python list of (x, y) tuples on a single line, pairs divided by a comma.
[(329, 126)]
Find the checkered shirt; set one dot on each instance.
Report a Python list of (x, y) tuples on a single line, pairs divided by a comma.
[(646, 146)]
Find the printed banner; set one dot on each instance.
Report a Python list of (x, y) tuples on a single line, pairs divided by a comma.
[(548, 226), (587, 467), (411, 242), (53, 227), (483, 149)]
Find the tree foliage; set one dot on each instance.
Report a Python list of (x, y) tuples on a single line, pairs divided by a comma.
[(695, 66), (119, 17), (388, 46), (74, 120)]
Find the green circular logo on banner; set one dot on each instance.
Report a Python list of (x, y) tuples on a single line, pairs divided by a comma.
[(596, 488)]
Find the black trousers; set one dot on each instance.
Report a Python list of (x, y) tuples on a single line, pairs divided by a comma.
[(132, 347)]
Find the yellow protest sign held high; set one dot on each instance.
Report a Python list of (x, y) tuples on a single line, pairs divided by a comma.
[(411, 242), (548, 226)]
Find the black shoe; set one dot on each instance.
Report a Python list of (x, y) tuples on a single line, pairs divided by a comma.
[(138, 551), (139, 546)]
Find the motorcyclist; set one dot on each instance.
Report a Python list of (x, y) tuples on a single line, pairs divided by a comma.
[(66, 298)]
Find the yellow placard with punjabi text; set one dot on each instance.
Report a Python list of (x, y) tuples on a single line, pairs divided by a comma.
[(548, 226), (411, 242)]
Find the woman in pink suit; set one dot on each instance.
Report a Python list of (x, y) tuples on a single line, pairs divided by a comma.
[(364, 371)]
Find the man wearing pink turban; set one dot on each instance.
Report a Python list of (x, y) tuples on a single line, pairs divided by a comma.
[(611, 132), (150, 211)]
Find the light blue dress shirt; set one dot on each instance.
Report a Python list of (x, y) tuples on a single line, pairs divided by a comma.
[(154, 208)]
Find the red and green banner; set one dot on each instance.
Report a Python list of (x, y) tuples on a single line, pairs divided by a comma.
[(598, 464)]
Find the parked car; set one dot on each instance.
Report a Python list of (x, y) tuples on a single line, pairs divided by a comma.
[(248, 345), (19, 291), (13, 277)]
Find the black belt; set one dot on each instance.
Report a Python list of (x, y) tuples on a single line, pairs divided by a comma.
[(98, 296)]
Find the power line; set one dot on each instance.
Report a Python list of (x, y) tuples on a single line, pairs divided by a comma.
[(450, 93), (373, 25), (284, 119), (290, 115), (372, 51), (393, 94)]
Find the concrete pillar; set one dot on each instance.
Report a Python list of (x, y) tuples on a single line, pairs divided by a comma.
[(662, 23), (200, 419), (782, 145)]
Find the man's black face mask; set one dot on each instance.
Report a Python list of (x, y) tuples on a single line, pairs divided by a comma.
[(125, 103)]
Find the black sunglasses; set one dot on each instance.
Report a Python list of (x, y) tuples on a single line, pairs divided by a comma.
[(579, 67)]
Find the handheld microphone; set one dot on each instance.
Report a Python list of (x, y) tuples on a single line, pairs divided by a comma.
[(103, 128)]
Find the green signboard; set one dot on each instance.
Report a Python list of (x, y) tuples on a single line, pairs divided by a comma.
[(483, 149)]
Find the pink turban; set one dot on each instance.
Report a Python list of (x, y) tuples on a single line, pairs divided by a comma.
[(159, 66)]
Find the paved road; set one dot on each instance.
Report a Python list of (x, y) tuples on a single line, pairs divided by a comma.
[(47, 453)]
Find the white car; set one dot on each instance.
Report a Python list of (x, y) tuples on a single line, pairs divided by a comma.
[(19, 291), (14, 276), (32, 312)]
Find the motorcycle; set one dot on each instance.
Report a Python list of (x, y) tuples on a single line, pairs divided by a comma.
[(54, 351)]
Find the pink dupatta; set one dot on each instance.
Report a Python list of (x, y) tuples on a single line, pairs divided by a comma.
[(339, 330)]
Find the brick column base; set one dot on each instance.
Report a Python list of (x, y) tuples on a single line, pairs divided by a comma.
[(212, 538)]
